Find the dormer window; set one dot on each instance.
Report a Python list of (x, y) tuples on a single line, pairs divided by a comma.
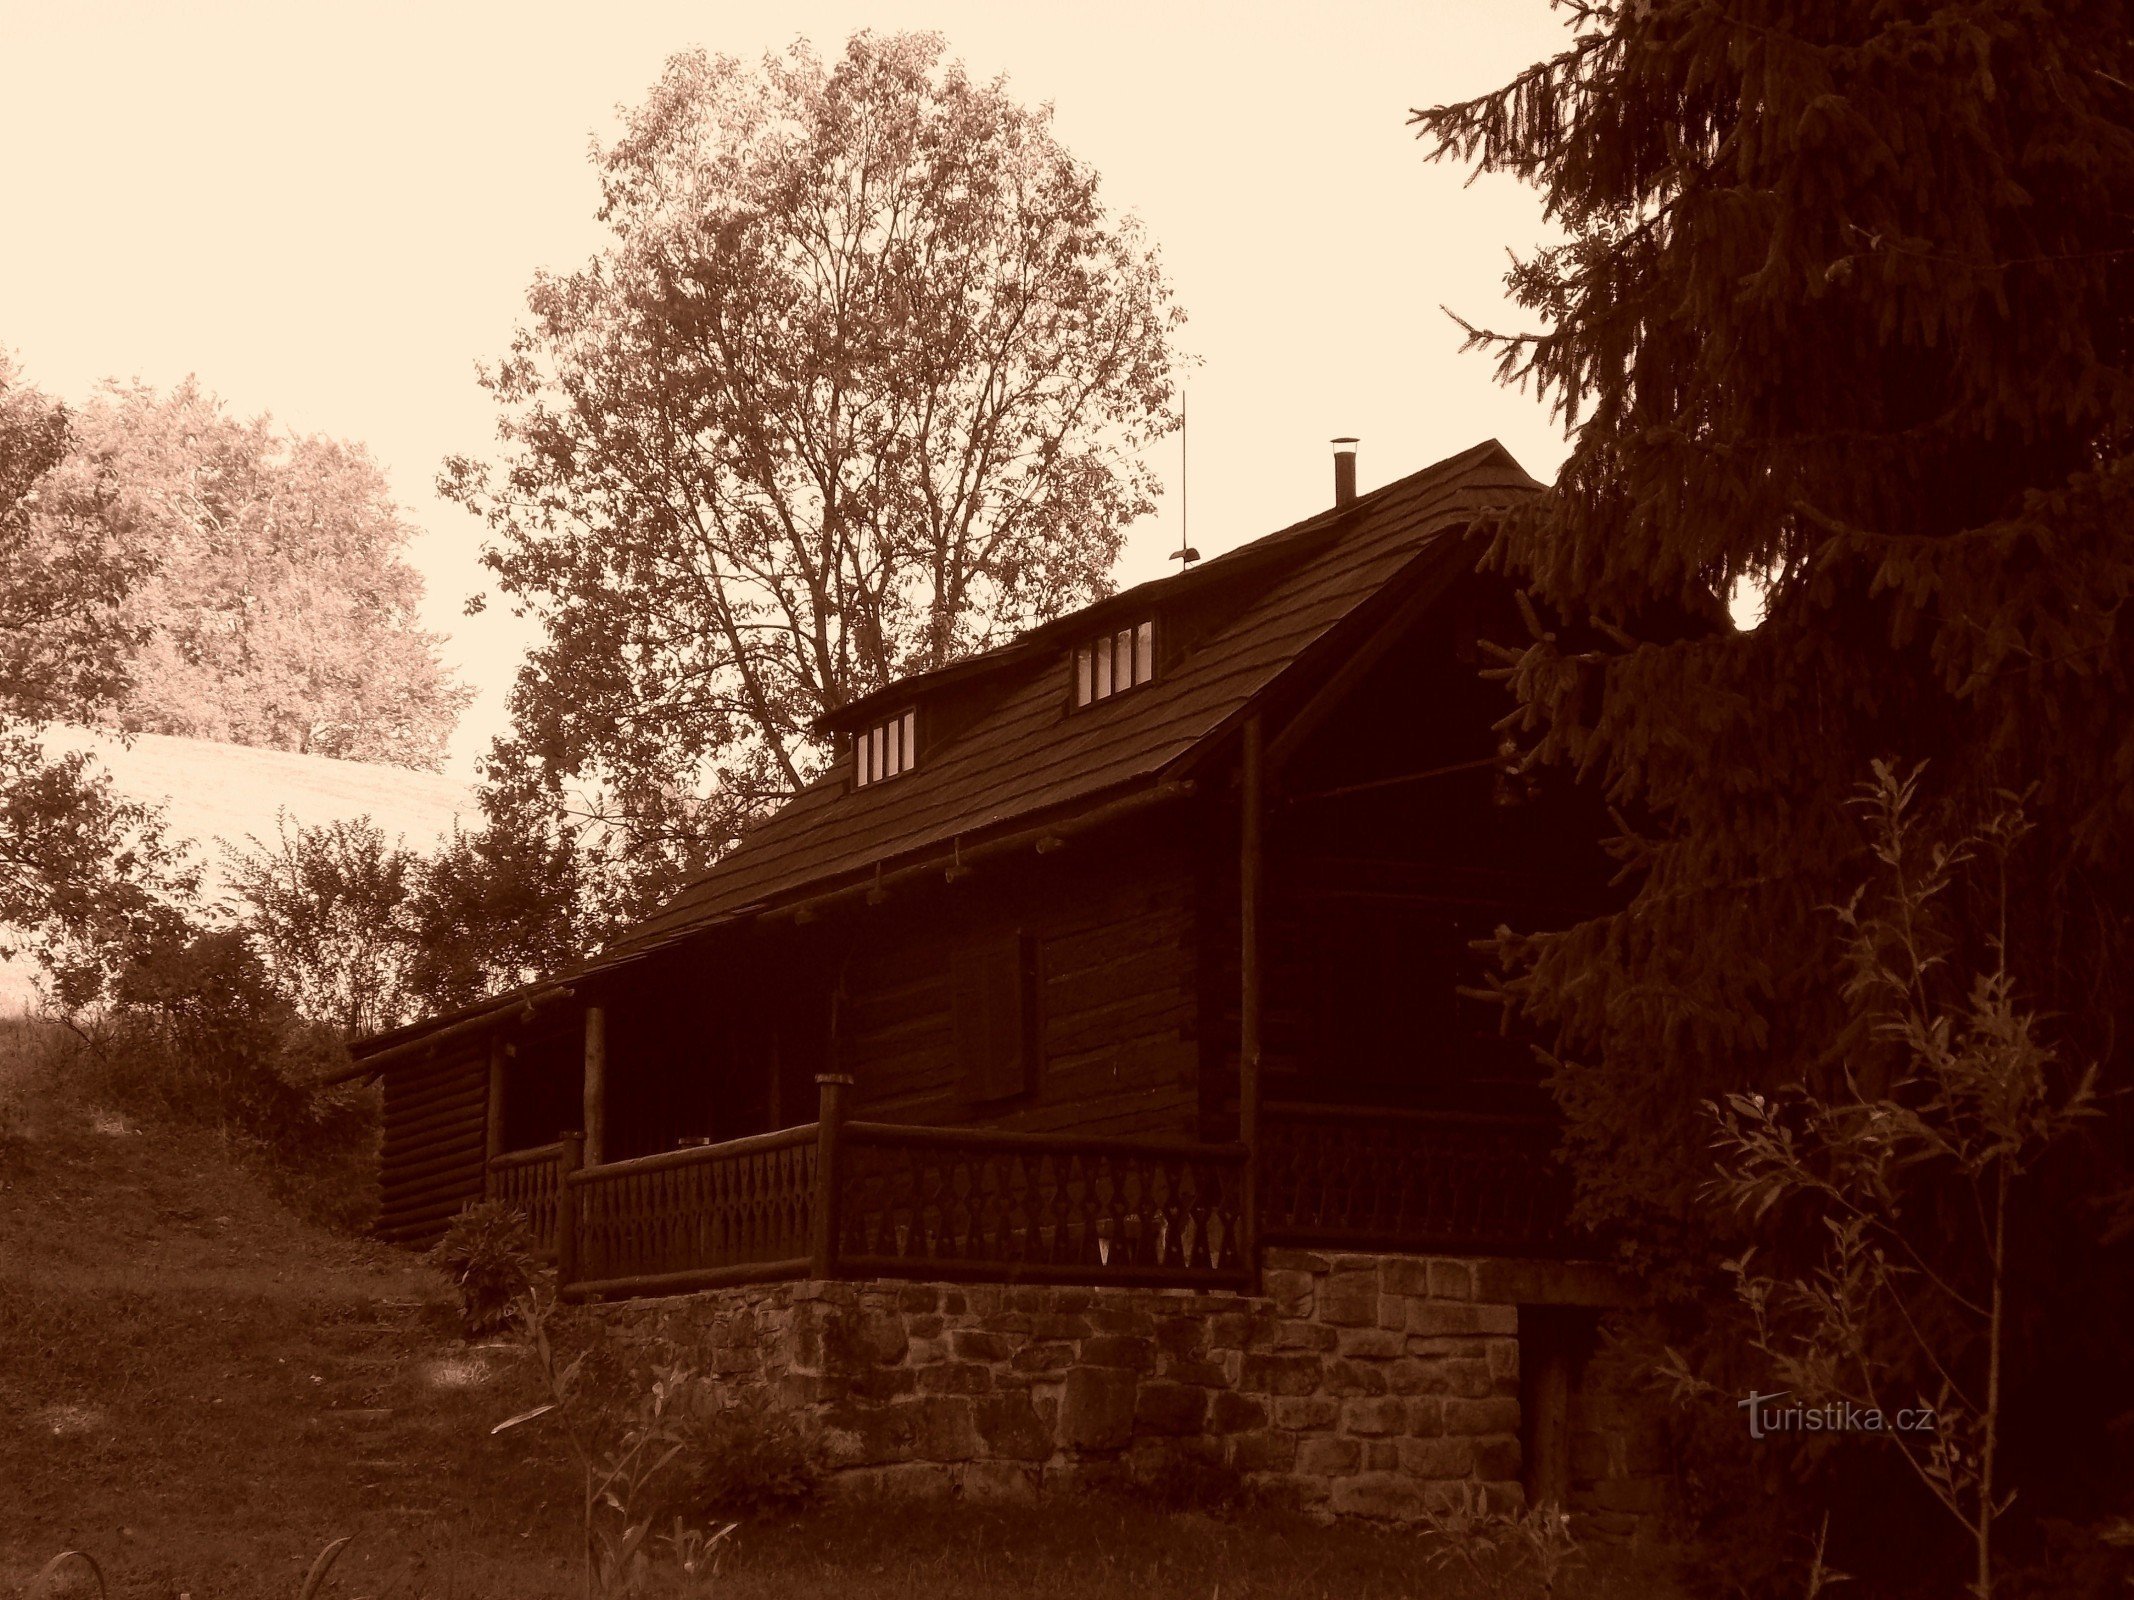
[(885, 749), (1114, 663)]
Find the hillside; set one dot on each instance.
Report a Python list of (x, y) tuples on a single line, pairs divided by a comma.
[(217, 793), (201, 1390)]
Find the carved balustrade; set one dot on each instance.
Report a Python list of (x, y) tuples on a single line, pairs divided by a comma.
[(526, 1180), (738, 1211), (1371, 1177), (980, 1204)]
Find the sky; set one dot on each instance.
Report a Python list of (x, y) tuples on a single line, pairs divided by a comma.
[(331, 212)]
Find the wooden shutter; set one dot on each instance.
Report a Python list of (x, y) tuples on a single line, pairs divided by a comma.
[(995, 1016)]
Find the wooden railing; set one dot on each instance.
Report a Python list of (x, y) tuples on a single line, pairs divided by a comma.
[(683, 1219), (976, 1203), (1370, 1177), (526, 1180), (882, 1200)]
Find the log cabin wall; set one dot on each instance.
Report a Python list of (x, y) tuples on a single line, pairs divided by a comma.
[(1058, 995), (433, 1159)]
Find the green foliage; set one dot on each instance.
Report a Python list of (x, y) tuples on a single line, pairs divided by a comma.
[(488, 1253), (1511, 1554), (1891, 1286), (858, 386), (634, 1447), (367, 934), (277, 608), (1841, 312), (744, 1459), (327, 910), (85, 878)]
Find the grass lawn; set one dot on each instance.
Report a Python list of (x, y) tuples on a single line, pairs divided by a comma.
[(202, 1390)]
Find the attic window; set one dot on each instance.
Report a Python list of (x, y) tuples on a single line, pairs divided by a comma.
[(1115, 663), (885, 749)]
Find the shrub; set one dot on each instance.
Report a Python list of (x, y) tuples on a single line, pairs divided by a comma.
[(488, 1253), (742, 1459)]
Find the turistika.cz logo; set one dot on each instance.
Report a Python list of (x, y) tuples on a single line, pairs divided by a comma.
[(1767, 1416)]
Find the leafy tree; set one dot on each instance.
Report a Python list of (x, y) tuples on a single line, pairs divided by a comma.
[(327, 911), (279, 609), (84, 875), (364, 933), (857, 386), (1843, 310)]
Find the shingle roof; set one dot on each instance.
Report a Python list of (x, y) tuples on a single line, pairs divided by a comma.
[(1022, 758)]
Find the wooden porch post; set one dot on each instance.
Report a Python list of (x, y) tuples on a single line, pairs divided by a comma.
[(1250, 870), (493, 1131), (596, 1086), (567, 1164), (829, 1137)]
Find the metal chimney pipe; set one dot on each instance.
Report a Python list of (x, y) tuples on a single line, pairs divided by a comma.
[(1344, 471)]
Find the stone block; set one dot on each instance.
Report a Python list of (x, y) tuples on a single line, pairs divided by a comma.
[(1349, 1298), (1381, 1455), (1426, 1417), (970, 1344), (1173, 1409), (1498, 1414), (1011, 1428), (1328, 1455), (1376, 1344), (919, 1298), (1353, 1377), (1310, 1261), (870, 1383), (1451, 1280), (1437, 1458), (1393, 1310), (943, 1428), (1299, 1333), (1447, 1318), (1115, 1320), (1291, 1293), (1504, 1361), (956, 1377), (1280, 1374), (1186, 1369), (1116, 1350), (1097, 1408), (1266, 1451), (1052, 1355), (1464, 1348), (1404, 1275), (1306, 1413), (1386, 1496), (1182, 1337), (1385, 1414), (925, 1352), (1235, 1413)]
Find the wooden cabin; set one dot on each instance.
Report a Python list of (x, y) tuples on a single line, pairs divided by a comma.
[(1110, 954)]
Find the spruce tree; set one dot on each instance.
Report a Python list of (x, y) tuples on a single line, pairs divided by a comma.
[(1841, 311)]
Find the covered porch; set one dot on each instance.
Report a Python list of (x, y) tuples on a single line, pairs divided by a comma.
[(843, 1198)]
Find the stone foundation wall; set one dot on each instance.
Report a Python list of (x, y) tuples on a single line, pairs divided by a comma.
[(1357, 1385)]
